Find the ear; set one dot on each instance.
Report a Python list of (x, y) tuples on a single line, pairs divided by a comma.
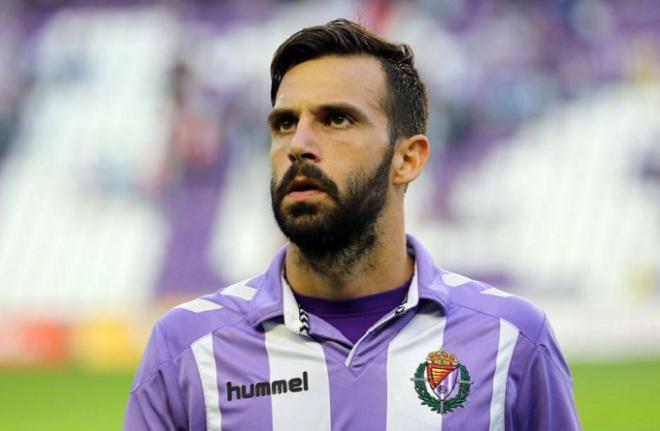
[(410, 156)]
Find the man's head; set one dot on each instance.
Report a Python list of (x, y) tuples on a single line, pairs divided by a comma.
[(405, 100), (348, 115)]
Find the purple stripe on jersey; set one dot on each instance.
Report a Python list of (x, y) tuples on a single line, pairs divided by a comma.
[(358, 394), (191, 390), (473, 338), (357, 402), (242, 361), (517, 372)]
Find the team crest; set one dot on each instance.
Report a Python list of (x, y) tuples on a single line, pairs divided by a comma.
[(442, 382)]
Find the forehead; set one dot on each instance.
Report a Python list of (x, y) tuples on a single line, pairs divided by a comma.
[(356, 79)]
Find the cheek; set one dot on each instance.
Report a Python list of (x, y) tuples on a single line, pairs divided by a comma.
[(344, 176), (278, 161), (274, 152)]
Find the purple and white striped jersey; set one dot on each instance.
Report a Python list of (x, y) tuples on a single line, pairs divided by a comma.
[(455, 355)]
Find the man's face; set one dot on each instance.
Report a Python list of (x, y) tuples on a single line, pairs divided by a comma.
[(330, 153)]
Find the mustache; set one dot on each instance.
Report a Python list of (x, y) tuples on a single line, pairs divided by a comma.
[(310, 171)]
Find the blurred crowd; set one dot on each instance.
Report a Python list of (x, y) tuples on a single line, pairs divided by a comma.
[(491, 67)]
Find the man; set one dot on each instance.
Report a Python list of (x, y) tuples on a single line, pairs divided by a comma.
[(352, 327)]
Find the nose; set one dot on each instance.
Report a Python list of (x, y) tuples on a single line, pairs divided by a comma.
[(304, 144)]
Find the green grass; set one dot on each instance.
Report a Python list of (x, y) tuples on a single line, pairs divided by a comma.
[(618, 396), (610, 396), (69, 399)]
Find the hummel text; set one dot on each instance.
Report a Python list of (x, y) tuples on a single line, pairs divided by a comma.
[(264, 389)]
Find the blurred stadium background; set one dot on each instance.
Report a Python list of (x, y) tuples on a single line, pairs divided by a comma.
[(134, 175)]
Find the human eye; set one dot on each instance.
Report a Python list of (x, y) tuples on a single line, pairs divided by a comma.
[(286, 125), (339, 121), (282, 124)]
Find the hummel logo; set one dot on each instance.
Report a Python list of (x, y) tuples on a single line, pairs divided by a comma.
[(264, 389)]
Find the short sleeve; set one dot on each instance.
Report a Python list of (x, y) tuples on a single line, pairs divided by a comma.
[(545, 397), (154, 402)]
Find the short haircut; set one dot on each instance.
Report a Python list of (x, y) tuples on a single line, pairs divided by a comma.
[(405, 104)]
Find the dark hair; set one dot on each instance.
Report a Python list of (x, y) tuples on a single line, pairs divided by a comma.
[(405, 104)]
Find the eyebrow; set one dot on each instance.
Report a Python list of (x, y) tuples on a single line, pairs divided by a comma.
[(343, 108), (279, 114), (354, 112)]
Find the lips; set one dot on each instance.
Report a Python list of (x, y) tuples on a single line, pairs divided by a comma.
[(302, 182), (303, 185)]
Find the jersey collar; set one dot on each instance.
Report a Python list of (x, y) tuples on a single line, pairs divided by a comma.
[(274, 298)]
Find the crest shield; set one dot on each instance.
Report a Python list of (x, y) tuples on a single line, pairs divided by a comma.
[(437, 373), (447, 379)]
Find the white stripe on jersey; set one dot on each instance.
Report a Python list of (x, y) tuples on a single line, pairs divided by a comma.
[(507, 343), (406, 351), (494, 291), (289, 355), (199, 305), (452, 279), (202, 350), (240, 290)]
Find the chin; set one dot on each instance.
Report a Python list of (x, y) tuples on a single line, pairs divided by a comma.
[(308, 223), (301, 209)]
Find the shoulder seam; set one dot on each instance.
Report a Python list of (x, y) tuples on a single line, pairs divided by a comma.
[(543, 324), (554, 363), (158, 332), (163, 333), (171, 360), (166, 363)]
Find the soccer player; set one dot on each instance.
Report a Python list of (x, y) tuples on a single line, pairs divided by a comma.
[(352, 327)]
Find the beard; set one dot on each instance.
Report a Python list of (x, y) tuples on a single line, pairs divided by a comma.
[(340, 234)]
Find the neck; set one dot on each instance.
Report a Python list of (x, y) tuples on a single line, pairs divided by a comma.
[(345, 275)]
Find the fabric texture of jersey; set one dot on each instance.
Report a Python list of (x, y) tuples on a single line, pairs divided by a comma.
[(249, 358)]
